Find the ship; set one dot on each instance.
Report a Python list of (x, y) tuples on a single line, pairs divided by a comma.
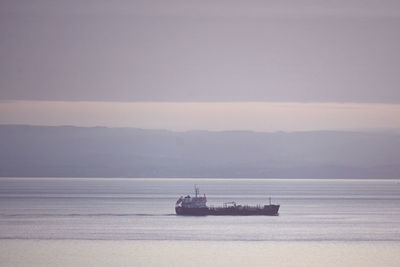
[(197, 206)]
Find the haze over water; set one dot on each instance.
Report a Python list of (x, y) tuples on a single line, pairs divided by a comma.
[(135, 217), (143, 209)]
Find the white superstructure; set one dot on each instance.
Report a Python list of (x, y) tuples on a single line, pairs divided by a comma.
[(193, 202)]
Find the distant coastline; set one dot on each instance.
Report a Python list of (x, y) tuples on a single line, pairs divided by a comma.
[(70, 151)]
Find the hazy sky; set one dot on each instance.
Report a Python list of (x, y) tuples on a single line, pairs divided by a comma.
[(182, 116), (200, 51), (334, 51)]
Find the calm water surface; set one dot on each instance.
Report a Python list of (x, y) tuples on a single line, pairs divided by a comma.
[(143, 209)]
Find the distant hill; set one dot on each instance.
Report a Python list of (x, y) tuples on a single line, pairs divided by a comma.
[(66, 151)]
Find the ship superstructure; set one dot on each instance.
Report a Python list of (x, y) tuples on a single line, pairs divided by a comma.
[(197, 206), (192, 205)]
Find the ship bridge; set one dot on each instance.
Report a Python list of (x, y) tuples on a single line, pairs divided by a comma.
[(193, 202)]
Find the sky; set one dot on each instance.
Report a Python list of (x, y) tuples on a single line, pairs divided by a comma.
[(214, 116), (185, 65)]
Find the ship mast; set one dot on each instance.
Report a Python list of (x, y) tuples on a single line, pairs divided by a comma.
[(196, 190)]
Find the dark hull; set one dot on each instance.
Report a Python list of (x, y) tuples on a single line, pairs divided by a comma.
[(270, 210), (191, 211)]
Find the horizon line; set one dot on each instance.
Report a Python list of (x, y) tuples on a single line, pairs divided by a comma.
[(366, 130)]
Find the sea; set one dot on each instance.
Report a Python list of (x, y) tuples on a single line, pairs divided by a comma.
[(132, 222)]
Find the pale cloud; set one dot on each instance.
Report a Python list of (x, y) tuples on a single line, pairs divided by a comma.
[(255, 116)]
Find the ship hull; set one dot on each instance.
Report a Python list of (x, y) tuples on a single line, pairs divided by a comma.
[(192, 211), (267, 210)]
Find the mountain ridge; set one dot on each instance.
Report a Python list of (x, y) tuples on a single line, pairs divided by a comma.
[(71, 151)]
